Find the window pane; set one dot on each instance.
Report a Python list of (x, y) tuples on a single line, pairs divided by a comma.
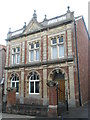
[(13, 59), (15, 78), (54, 41), (32, 77), (37, 77), (18, 58), (61, 51), (36, 87), (54, 52), (18, 49), (13, 84), (32, 46), (37, 55), (31, 87), (17, 86), (37, 44), (31, 55), (60, 39), (13, 50)]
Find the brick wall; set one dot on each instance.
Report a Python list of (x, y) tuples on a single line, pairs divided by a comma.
[(82, 42), (2, 61), (11, 97)]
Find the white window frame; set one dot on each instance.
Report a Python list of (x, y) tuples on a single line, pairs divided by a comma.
[(16, 53), (34, 81), (15, 81), (34, 52), (57, 44)]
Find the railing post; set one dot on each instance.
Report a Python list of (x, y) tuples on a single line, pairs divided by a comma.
[(67, 100)]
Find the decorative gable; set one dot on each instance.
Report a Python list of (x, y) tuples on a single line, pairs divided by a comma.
[(32, 26)]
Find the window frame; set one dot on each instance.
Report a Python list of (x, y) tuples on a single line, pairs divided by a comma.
[(34, 81), (34, 49), (57, 44), (15, 53), (15, 82)]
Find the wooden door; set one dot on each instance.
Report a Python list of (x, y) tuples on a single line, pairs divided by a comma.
[(61, 91)]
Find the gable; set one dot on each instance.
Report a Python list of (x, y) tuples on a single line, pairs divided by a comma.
[(32, 26)]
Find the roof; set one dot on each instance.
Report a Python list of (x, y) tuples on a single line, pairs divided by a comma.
[(79, 18), (34, 26)]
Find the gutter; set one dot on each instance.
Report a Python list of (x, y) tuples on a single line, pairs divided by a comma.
[(77, 64)]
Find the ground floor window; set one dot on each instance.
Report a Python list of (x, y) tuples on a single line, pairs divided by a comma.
[(34, 83), (15, 82)]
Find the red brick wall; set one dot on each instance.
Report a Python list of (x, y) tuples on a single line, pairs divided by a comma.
[(11, 97), (52, 96), (82, 42)]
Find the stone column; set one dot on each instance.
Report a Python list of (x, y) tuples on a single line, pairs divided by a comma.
[(44, 49), (23, 52), (22, 86), (72, 88), (44, 85), (6, 80), (69, 42)]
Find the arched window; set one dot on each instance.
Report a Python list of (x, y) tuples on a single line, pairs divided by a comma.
[(34, 83), (15, 82)]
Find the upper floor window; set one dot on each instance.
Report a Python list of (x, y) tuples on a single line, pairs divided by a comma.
[(34, 52), (57, 47), (54, 41), (34, 83), (16, 55), (15, 82)]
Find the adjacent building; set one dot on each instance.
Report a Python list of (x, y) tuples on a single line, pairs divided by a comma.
[(42, 56), (2, 65), (2, 60)]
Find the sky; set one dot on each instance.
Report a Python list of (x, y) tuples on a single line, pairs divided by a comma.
[(13, 13)]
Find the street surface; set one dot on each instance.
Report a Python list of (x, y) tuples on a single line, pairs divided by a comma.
[(81, 113)]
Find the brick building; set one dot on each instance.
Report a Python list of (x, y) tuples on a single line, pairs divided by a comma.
[(2, 65), (2, 60), (53, 52)]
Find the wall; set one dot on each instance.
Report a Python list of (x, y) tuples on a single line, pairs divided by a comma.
[(2, 61), (82, 43)]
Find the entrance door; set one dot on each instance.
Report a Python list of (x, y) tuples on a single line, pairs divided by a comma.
[(61, 91)]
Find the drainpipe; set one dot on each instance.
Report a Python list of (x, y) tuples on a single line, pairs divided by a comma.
[(77, 64)]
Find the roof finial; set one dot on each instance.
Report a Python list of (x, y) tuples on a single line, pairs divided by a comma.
[(68, 9), (9, 30), (45, 17), (35, 15), (24, 25)]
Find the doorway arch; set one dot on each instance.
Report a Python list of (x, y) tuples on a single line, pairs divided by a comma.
[(60, 76)]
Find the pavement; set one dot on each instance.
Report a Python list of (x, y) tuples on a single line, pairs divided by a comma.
[(80, 113)]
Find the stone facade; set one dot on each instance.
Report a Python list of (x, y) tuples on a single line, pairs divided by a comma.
[(62, 70)]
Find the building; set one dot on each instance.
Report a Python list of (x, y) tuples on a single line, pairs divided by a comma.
[(44, 56), (2, 60), (2, 65)]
